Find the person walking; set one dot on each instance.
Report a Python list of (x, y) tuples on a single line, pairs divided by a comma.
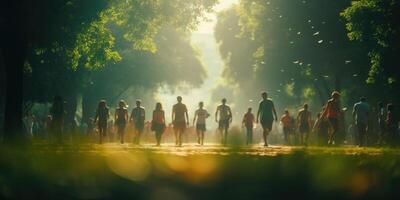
[(180, 119), (200, 117), (287, 124), (138, 116), (248, 122), (158, 122), (101, 118), (225, 118), (120, 118), (266, 115), (333, 113), (304, 124), (361, 114)]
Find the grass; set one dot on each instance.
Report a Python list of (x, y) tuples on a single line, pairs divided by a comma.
[(111, 171)]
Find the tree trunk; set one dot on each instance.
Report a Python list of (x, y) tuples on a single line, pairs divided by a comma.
[(88, 106), (14, 60), (15, 45)]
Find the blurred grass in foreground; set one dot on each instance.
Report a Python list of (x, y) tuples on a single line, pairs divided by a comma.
[(120, 172)]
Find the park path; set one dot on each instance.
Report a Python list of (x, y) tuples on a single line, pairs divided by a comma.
[(190, 149)]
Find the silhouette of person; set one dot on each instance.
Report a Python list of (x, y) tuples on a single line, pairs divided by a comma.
[(361, 114), (57, 113), (304, 124), (265, 115), (138, 117), (180, 119), (101, 118), (333, 113), (158, 122), (392, 125), (287, 124), (248, 122), (381, 121), (200, 117), (120, 118), (225, 118)]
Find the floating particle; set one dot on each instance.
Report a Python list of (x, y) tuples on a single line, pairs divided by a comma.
[(316, 33), (320, 41)]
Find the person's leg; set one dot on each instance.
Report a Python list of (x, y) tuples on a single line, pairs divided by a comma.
[(123, 134), (176, 135), (202, 137), (251, 135), (226, 134), (221, 133), (158, 138), (102, 134), (363, 135), (265, 135), (198, 135), (140, 131), (180, 137), (286, 135)]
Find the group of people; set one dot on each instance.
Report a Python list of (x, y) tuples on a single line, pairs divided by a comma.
[(331, 116), (331, 119), (180, 120)]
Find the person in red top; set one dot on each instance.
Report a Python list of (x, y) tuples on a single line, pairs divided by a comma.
[(287, 124), (158, 122), (333, 113), (248, 122)]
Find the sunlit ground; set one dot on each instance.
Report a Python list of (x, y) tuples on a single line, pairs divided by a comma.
[(114, 171)]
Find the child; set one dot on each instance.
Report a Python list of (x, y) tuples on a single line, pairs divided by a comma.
[(287, 123), (248, 121)]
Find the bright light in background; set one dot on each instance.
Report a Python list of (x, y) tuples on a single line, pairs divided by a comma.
[(203, 39), (208, 26)]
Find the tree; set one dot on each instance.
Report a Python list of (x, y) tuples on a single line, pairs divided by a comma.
[(374, 24), (79, 32), (296, 50)]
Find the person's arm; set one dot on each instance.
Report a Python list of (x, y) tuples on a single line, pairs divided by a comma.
[(258, 112), (163, 116), (325, 112), (96, 116), (195, 116), (187, 116), (230, 114), (132, 116), (173, 114), (273, 109), (309, 119), (144, 114), (126, 115), (115, 115), (298, 119), (244, 119), (354, 113), (216, 114)]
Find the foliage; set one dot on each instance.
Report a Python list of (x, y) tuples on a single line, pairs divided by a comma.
[(375, 24), (296, 50)]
